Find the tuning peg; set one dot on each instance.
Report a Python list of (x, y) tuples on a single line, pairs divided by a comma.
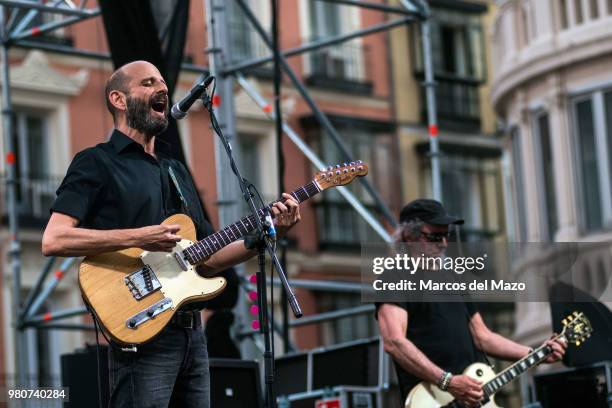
[(352, 163), (576, 313), (578, 343), (570, 318), (337, 166), (360, 168), (345, 171), (564, 321), (352, 169), (359, 162), (330, 168), (337, 172)]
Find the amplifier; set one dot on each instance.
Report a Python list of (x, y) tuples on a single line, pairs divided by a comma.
[(234, 383), (361, 362), (589, 386), (79, 374)]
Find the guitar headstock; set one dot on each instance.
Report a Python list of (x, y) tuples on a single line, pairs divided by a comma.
[(576, 328), (340, 175)]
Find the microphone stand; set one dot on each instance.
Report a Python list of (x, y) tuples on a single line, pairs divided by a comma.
[(263, 235)]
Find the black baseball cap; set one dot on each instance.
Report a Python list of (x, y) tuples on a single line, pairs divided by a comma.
[(429, 211)]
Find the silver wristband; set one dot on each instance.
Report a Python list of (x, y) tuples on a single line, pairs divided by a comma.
[(445, 380)]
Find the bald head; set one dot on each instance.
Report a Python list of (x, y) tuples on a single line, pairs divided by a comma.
[(120, 80)]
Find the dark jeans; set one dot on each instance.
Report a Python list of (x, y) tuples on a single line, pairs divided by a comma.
[(169, 371)]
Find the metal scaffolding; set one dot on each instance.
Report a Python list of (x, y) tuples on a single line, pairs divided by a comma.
[(17, 29)]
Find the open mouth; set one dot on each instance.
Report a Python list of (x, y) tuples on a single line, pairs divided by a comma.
[(159, 105)]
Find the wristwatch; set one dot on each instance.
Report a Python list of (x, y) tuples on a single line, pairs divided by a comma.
[(445, 380)]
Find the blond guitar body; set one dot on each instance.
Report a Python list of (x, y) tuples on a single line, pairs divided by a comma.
[(116, 303), (426, 395), (135, 293)]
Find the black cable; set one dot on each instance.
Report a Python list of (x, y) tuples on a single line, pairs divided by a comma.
[(272, 310)]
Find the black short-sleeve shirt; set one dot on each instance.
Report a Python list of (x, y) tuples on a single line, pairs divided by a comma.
[(441, 331), (117, 185)]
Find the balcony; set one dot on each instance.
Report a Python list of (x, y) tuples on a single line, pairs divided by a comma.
[(246, 44), (457, 102), (34, 198), (341, 227), (343, 67)]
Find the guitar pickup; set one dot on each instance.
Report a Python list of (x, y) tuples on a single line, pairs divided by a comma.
[(142, 282), (148, 314), (181, 261)]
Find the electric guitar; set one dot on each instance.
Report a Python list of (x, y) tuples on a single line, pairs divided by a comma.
[(576, 329), (135, 293)]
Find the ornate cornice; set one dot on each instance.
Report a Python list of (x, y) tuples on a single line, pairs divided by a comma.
[(36, 74), (550, 60)]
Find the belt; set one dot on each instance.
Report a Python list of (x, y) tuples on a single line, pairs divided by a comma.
[(186, 319)]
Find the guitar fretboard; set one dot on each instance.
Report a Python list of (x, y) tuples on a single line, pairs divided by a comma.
[(214, 242), (532, 359)]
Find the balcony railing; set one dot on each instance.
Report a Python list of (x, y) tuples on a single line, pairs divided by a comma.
[(458, 103), (246, 44), (341, 227), (343, 66), (34, 198)]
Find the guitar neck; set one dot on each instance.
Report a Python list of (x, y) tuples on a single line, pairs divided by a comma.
[(220, 239), (515, 370)]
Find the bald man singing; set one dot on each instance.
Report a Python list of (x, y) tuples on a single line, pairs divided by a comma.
[(115, 196)]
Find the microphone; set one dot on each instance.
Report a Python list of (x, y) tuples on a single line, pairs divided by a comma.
[(179, 109)]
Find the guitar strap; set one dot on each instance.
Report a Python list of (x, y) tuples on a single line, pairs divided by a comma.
[(178, 190), (476, 349)]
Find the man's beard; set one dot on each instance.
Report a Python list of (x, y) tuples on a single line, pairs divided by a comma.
[(139, 117)]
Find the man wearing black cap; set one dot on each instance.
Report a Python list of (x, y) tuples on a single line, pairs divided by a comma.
[(435, 342)]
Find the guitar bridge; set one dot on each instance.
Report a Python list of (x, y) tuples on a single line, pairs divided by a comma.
[(148, 314), (142, 283)]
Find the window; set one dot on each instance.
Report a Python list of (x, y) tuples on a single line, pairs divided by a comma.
[(519, 183), (346, 61), (594, 9), (588, 161), (35, 185), (593, 128), (578, 11), (250, 168), (459, 69), (548, 203), (325, 19), (340, 226), (471, 189), (245, 42), (457, 45), (526, 33), (609, 6), (563, 14)]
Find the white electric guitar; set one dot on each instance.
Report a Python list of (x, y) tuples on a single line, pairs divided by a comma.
[(576, 329)]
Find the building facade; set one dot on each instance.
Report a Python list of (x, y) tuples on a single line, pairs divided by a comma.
[(551, 89), (471, 150), (60, 109)]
